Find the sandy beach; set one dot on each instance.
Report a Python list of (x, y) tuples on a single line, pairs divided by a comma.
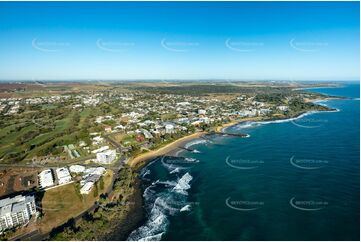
[(171, 147)]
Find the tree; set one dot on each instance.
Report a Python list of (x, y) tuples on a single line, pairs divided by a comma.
[(101, 183), (95, 191)]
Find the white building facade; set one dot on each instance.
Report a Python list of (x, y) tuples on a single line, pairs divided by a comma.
[(16, 211), (106, 157), (63, 175)]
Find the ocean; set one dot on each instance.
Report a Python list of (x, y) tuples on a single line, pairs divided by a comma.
[(289, 180)]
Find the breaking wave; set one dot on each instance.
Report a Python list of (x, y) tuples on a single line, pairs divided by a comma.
[(195, 142), (246, 125), (176, 164), (183, 184), (144, 173), (176, 170), (191, 160), (259, 123), (162, 199), (185, 208)]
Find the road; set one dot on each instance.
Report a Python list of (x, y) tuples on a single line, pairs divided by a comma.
[(115, 167), (117, 145)]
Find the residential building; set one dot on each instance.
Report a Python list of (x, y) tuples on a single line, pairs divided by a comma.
[(90, 177), (106, 157), (63, 175), (101, 149), (202, 111), (147, 134), (46, 178), (76, 168), (16, 211), (108, 129), (86, 188), (283, 108), (169, 129)]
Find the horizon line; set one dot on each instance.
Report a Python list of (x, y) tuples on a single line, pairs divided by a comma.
[(180, 80)]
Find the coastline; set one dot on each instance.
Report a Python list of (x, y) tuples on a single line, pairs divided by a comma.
[(171, 148), (134, 215), (237, 121), (168, 148)]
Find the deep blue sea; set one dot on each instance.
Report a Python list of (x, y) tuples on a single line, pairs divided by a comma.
[(291, 180)]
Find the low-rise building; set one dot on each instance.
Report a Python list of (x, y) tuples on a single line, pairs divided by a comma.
[(90, 177), (202, 111), (108, 129), (169, 128), (283, 108), (86, 188), (147, 134), (63, 175), (16, 211), (101, 149), (76, 168), (46, 178)]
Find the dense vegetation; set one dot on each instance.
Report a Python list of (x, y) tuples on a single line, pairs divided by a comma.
[(113, 210)]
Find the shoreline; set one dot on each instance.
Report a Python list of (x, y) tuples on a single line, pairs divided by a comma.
[(168, 148), (135, 215), (142, 160), (172, 147)]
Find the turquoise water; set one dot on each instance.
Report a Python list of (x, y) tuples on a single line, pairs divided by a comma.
[(290, 180)]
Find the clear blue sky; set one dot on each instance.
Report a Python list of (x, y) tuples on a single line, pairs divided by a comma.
[(179, 40)]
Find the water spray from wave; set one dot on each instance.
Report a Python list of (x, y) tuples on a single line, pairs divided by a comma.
[(162, 199)]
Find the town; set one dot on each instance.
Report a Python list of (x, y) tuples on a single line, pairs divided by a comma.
[(78, 140)]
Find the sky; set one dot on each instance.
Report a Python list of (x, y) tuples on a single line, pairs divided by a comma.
[(179, 40)]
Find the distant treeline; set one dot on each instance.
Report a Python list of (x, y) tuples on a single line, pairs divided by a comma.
[(194, 90)]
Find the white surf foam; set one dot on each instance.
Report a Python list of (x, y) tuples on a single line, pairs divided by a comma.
[(246, 125), (153, 228), (161, 203), (193, 160), (168, 166), (183, 184), (185, 208), (144, 172), (156, 237), (178, 152), (195, 142), (176, 170), (168, 183)]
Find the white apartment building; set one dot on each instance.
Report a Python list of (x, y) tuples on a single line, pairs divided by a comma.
[(16, 211), (106, 157)]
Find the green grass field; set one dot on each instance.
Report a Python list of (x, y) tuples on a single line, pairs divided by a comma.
[(21, 140)]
